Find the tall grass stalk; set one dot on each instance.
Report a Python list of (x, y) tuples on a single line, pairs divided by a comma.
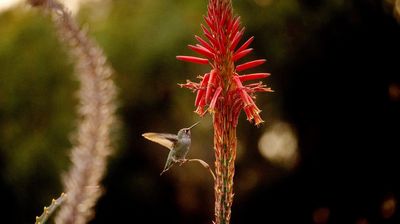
[(96, 111)]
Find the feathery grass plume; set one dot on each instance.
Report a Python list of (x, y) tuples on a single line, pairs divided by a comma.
[(48, 211), (96, 110), (221, 92)]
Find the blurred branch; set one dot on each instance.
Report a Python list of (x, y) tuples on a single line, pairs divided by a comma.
[(96, 110)]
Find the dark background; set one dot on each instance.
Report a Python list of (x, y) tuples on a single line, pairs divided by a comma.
[(335, 72)]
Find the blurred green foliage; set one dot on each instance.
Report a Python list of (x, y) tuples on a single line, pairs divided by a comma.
[(37, 107)]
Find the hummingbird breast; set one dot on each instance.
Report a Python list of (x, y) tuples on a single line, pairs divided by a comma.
[(182, 148)]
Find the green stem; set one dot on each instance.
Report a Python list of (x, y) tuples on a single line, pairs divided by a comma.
[(225, 154)]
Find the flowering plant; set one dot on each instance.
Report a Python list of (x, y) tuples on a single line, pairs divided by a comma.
[(222, 92)]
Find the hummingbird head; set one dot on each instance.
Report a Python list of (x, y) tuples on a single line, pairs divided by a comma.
[(186, 131)]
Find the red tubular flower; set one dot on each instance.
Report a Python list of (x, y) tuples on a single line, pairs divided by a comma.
[(243, 78), (202, 50), (241, 54), (201, 90), (250, 64), (224, 93), (193, 59)]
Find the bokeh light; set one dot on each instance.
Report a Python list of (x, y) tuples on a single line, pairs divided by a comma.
[(321, 215), (388, 207), (279, 145), (394, 91)]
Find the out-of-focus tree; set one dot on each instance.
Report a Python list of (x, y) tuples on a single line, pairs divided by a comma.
[(36, 112)]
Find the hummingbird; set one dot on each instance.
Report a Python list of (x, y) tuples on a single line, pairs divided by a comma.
[(178, 145)]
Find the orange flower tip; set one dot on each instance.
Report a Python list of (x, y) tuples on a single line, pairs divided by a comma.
[(250, 64), (211, 110), (253, 76), (199, 111), (258, 123), (257, 119), (192, 59), (249, 119)]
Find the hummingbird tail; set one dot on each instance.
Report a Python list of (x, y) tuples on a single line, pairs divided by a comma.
[(166, 168)]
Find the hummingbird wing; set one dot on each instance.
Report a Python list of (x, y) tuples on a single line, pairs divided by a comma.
[(164, 139)]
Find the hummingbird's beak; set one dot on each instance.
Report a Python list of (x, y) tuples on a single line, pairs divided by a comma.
[(194, 125)]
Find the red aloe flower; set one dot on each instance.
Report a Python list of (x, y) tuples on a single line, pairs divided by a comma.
[(222, 92)]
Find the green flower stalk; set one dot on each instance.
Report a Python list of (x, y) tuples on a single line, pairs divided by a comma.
[(221, 92)]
